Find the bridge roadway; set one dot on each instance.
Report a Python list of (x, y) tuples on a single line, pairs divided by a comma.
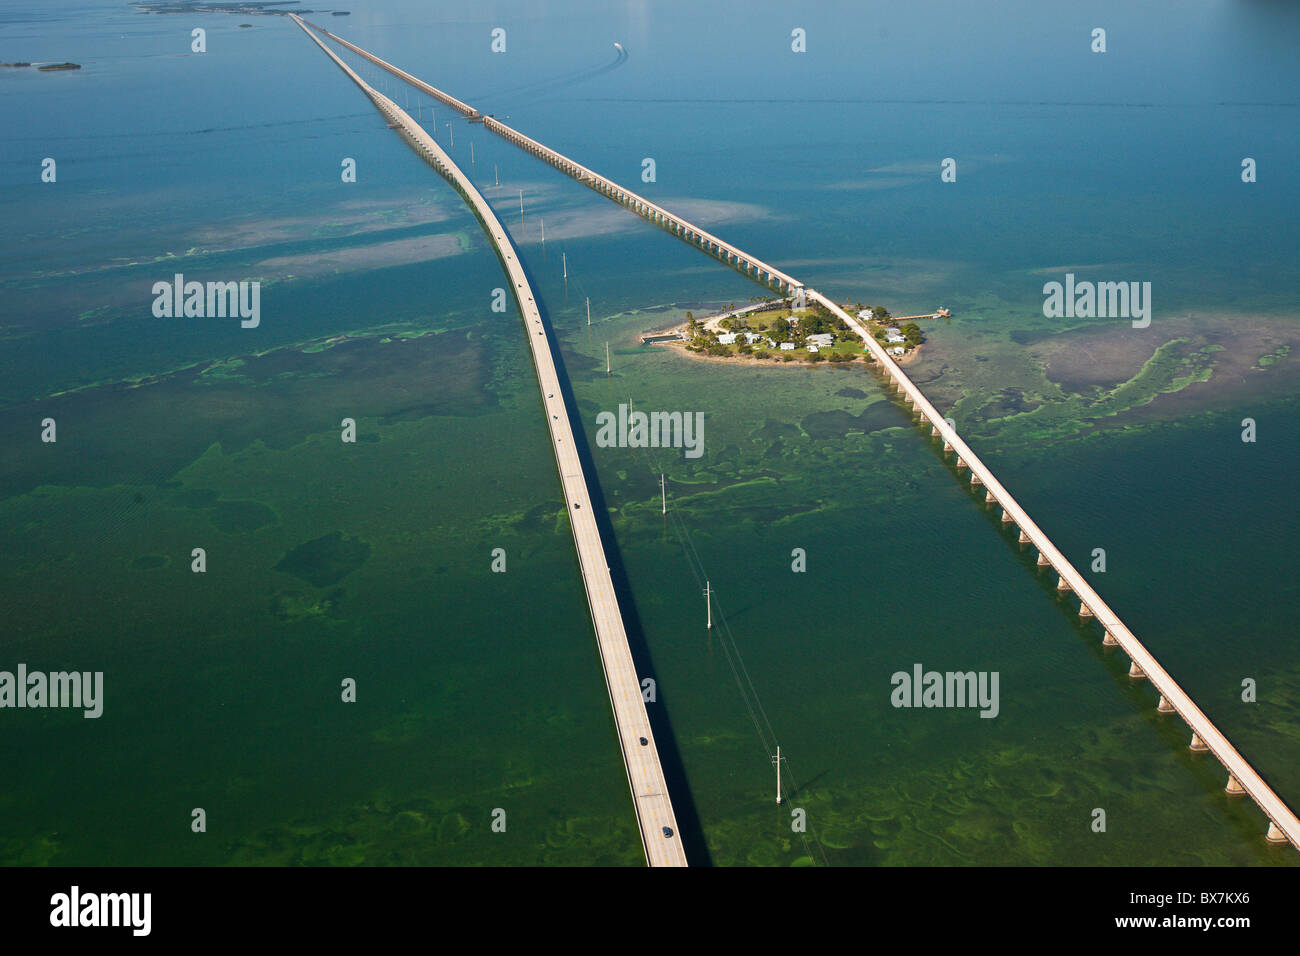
[(650, 795), (1242, 778), (1283, 823), (738, 259)]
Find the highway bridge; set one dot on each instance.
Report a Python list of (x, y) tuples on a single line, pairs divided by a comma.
[(650, 797), (1242, 778), (739, 260)]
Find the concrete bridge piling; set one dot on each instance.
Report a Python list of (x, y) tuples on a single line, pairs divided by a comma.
[(1283, 823)]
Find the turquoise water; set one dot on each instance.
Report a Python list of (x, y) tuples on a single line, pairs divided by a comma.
[(480, 691)]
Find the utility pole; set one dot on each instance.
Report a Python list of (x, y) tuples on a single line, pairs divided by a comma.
[(606, 359), (543, 222), (663, 492), (565, 258), (777, 761), (588, 311), (451, 133), (708, 599), (495, 177)]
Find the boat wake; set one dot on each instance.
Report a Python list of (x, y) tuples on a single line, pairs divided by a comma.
[(562, 81)]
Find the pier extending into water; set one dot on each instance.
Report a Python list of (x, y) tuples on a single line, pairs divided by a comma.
[(1283, 826), (654, 810)]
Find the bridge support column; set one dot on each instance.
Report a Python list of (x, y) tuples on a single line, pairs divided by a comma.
[(1042, 560), (1197, 745), (1084, 610), (988, 497), (1061, 584), (960, 464), (1109, 640), (1024, 538), (975, 479), (947, 445), (934, 430), (1234, 787), (1275, 834), (1134, 671), (1164, 707)]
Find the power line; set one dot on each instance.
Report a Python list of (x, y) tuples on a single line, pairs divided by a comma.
[(735, 660)]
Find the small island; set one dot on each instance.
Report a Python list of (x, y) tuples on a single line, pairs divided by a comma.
[(773, 329), (45, 67)]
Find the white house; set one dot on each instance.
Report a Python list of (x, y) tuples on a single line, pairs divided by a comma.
[(787, 346), (865, 315), (812, 349), (897, 350), (727, 338), (893, 335), (756, 338), (821, 339)]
